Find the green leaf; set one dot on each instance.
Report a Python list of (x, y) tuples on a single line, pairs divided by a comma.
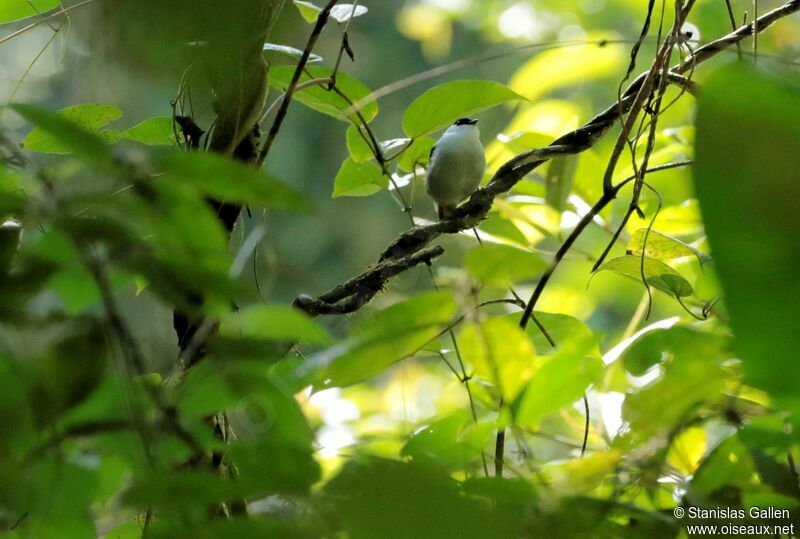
[(274, 322), (728, 465), (224, 179), (663, 345), (497, 225), (69, 130), (688, 382), (450, 442), (91, 117), (581, 476), (358, 179), (319, 98), (418, 154), (558, 181), (309, 11), (658, 274), (401, 500), (153, 132), (661, 247), (442, 105), (562, 328), (499, 264), (560, 380), (360, 151), (748, 188), (291, 52), (501, 353), (14, 10), (383, 339)]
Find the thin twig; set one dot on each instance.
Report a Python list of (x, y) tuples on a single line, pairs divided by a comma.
[(733, 26), (45, 19), (322, 19), (469, 214)]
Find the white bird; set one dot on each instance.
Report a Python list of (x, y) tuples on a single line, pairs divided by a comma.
[(457, 164)]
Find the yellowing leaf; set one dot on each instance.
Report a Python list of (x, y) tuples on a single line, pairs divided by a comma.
[(658, 274), (688, 449), (583, 475), (14, 10), (567, 66)]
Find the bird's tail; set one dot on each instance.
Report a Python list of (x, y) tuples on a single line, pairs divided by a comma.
[(445, 211)]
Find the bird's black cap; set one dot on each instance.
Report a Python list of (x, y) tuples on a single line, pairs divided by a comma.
[(465, 121)]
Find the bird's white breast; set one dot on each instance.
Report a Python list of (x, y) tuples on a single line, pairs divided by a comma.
[(457, 165)]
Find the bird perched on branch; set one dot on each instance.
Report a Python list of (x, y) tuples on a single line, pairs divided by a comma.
[(457, 164)]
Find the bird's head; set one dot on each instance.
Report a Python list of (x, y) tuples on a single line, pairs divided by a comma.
[(465, 121)]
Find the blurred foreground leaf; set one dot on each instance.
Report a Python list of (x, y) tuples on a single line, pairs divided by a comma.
[(747, 179)]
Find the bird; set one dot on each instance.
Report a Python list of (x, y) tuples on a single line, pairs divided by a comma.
[(456, 166)]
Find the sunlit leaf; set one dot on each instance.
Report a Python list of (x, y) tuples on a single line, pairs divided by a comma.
[(442, 105), (681, 220), (729, 466), (688, 449), (567, 66), (502, 264), (501, 353), (658, 274), (309, 11), (562, 329), (559, 381), (358, 179), (582, 475), (661, 247), (360, 151), (558, 181), (320, 98), (497, 225), (746, 181), (13, 10)]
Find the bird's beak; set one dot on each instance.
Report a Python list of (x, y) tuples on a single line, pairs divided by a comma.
[(473, 121)]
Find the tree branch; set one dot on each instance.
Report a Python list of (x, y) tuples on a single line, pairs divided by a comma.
[(475, 209), (322, 19), (352, 295)]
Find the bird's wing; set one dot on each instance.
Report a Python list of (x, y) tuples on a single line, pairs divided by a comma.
[(430, 156)]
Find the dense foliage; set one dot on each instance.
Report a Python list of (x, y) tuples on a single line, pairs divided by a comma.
[(228, 309)]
